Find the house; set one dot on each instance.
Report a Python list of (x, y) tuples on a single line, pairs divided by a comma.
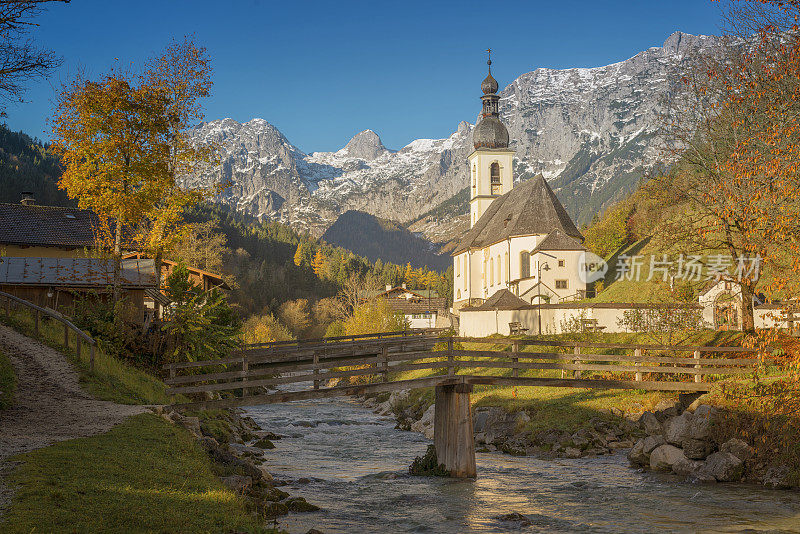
[(721, 301), (57, 283), (421, 308), (521, 239), (30, 230)]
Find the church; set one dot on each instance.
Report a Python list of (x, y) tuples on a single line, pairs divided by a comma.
[(521, 239)]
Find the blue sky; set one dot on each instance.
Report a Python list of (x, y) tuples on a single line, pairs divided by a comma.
[(323, 71)]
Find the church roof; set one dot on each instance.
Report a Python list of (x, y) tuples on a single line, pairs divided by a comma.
[(558, 240), (502, 300), (530, 208)]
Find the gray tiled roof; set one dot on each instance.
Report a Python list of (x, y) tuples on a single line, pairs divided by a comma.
[(75, 272), (529, 208), (502, 300), (558, 240), (35, 225)]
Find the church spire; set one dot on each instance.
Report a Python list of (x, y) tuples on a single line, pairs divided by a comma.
[(490, 132)]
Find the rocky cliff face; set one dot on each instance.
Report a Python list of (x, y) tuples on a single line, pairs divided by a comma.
[(591, 132)]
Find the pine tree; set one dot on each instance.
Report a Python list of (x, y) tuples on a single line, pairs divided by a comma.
[(319, 263)]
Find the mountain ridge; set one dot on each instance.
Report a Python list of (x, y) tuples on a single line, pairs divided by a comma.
[(590, 131)]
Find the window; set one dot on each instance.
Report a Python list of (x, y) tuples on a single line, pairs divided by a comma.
[(506, 267), (498, 269), (561, 284), (494, 172), (458, 267), (483, 274), (524, 264), (728, 286), (459, 294), (491, 272), (560, 263)]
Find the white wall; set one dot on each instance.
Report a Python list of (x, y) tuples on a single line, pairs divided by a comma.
[(424, 322)]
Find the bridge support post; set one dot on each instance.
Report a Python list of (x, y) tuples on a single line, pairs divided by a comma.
[(452, 430)]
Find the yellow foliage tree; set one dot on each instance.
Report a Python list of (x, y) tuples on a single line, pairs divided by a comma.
[(319, 262)]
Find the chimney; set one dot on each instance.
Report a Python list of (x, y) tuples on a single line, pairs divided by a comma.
[(388, 287), (27, 198), (404, 285)]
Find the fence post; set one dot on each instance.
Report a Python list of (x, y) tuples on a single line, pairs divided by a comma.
[(515, 359), (78, 345), (451, 363), (36, 321), (385, 358), (316, 368), (697, 377), (576, 373), (91, 356), (638, 354), (245, 371), (66, 335)]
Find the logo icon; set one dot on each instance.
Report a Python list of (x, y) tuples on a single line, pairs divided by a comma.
[(591, 267)]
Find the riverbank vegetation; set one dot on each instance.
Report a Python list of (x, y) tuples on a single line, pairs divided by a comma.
[(144, 475), (111, 379), (8, 382)]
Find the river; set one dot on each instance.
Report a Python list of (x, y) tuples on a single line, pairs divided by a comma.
[(352, 463)]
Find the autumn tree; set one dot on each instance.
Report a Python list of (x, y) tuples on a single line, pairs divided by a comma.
[(123, 145)]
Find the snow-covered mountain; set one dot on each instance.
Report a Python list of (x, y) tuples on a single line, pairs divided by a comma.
[(591, 131)]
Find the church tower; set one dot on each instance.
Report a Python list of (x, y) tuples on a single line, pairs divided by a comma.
[(490, 164)]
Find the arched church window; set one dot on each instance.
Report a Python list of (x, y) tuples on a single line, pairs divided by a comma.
[(491, 272), (506, 268), (524, 264), (498, 270), (459, 294), (494, 172)]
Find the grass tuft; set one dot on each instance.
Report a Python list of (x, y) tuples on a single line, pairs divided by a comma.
[(145, 475), (8, 382)]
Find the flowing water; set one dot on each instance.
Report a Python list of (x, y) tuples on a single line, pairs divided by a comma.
[(353, 465)]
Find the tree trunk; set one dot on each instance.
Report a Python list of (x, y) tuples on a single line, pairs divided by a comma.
[(748, 320), (117, 258), (156, 305)]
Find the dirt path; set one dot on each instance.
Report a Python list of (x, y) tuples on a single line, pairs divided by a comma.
[(49, 405)]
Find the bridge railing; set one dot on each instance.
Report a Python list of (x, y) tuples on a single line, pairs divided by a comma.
[(327, 364), (81, 337)]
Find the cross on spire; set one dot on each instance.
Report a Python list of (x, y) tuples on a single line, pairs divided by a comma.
[(489, 61)]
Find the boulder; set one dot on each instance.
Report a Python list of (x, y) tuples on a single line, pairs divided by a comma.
[(637, 456), (425, 425), (192, 424), (664, 457), (571, 452), (666, 409), (724, 467), (685, 467), (738, 448), (676, 428), (701, 422), (651, 442), (264, 443), (237, 483), (778, 477), (494, 424), (696, 449), (650, 424), (514, 517), (299, 504), (579, 442)]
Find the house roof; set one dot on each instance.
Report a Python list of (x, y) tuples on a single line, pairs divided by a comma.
[(76, 272), (558, 240), (48, 226), (530, 208), (412, 306), (502, 300)]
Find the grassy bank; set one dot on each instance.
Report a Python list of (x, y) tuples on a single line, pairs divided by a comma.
[(145, 475), (111, 379), (562, 408), (7, 382)]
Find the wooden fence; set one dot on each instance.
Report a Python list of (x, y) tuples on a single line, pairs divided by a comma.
[(81, 337), (374, 359)]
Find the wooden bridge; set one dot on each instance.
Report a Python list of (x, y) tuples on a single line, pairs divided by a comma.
[(361, 365)]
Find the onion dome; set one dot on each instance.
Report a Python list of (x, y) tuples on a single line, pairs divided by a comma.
[(490, 133), (489, 85)]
